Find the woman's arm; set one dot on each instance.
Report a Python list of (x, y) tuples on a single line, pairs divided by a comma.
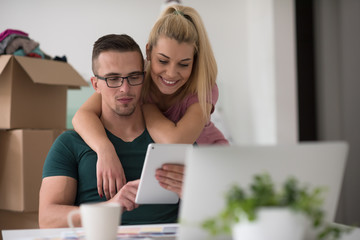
[(109, 172), (186, 130)]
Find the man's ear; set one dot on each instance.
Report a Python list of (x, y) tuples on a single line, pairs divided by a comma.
[(94, 82)]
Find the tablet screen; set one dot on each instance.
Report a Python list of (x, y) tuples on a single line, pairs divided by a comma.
[(150, 191)]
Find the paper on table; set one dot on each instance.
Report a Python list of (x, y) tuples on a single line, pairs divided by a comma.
[(124, 232)]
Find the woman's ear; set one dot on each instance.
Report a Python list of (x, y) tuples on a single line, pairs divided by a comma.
[(148, 53)]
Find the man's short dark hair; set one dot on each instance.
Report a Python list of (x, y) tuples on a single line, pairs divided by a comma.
[(115, 42)]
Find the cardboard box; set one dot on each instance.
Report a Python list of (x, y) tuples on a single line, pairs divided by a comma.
[(22, 156), (33, 92), (15, 220)]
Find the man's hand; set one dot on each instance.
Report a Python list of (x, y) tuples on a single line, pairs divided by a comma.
[(171, 177), (110, 174), (126, 196)]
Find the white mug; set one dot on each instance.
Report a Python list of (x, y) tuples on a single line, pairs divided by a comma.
[(99, 220)]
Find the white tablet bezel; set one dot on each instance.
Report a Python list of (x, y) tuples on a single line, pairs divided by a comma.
[(150, 191)]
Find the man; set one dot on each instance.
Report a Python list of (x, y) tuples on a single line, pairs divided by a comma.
[(69, 173)]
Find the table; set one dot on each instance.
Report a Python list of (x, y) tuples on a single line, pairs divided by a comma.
[(55, 233)]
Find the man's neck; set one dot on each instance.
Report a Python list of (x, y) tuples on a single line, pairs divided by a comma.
[(125, 127)]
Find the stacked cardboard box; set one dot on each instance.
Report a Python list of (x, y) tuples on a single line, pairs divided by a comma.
[(33, 96)]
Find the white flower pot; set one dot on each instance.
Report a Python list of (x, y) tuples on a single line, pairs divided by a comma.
[(274, 223)]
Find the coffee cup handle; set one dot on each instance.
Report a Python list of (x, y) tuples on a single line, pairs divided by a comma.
[(70, 222)]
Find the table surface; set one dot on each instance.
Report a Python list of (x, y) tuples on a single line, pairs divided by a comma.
[(57, 233)]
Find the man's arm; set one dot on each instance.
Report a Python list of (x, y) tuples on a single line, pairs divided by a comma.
[(56, 200), (57, 197)]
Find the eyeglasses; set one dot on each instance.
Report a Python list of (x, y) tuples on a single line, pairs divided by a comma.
[(117, 81)]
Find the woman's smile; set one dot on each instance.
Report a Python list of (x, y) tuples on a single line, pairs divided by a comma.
[(169, 82)]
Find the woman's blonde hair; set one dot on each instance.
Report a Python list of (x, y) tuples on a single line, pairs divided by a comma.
[(185, 25)]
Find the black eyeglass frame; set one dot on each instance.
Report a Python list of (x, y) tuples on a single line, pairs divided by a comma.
[(122, 79)]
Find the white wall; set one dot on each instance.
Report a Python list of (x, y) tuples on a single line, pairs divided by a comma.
[(65, 27), (252, 41)]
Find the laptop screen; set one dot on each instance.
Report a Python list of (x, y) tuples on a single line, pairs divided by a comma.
[(211, 170)]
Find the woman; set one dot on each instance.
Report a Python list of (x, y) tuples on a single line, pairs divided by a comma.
[(179, 94)]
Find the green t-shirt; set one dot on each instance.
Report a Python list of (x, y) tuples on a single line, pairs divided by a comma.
[(71, 156)]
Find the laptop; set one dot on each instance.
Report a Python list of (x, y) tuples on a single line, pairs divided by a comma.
[(211, 170)]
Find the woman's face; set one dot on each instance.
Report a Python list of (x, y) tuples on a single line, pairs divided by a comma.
[(171, 64)]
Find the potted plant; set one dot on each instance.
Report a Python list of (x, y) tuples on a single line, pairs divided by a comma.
[(264, 212)]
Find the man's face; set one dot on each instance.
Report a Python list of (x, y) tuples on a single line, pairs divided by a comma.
[(121, 100)]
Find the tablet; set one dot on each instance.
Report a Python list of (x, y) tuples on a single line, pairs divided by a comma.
[(150, 191)]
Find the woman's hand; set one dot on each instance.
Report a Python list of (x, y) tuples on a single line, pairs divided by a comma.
[(110, 174), (171, 177)]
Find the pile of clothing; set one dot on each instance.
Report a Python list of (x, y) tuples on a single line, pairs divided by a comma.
[(17, 42)]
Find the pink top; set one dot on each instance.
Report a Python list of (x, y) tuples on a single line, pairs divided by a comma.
[(211, 134)]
